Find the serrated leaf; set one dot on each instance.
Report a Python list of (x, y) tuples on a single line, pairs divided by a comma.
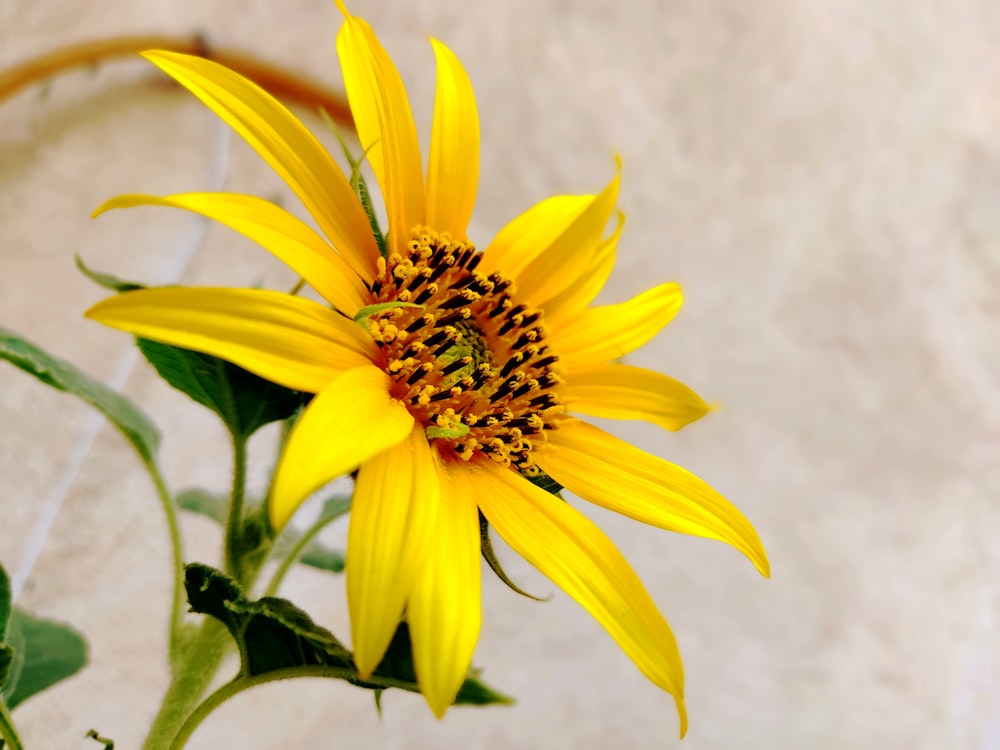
[(273, 633), (204, 503), (52, 652), (130, 420), (245, 402), (106, 280)]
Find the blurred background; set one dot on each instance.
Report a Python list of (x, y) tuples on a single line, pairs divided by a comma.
[(823, 178)]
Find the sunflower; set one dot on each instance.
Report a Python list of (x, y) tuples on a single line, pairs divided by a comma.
[(447, 376)]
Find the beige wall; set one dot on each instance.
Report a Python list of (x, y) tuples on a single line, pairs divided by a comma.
[(822, 176)]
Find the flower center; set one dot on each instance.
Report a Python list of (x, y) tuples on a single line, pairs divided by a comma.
[(470, 364)]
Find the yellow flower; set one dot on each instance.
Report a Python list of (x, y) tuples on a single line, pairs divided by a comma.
[(448, 375)]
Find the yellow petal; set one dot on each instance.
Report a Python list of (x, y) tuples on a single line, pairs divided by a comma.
[(586, 284), (396, 498), (277, 231), (618, 476), (537, 228), (289, 340), (602, 334), (385, 126), (549, 245), (453, 165), (583, 562), (445, 610), (623, 392), (349, 422), (284, 143)]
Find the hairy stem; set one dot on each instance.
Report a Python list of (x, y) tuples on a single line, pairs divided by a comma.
[(234, 521), (191, 674), (177, 552), (240, 684)]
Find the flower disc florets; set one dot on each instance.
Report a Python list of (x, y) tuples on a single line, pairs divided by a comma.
[(471, 364)]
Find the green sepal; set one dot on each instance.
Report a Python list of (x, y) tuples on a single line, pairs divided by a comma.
[(272, 633), (245, 402), (357, 181), (51, 653), (494, 562), (106, 280), (547, 483), (130, 420)]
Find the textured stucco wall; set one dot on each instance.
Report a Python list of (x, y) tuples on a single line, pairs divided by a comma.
[(824, 180)]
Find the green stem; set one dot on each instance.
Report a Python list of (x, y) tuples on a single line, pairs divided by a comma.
[(177, 551), (7, 730), (329, 514), (234, 521), (293, 555), (191, 675), (240, 684)]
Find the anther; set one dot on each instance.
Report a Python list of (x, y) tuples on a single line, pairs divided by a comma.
[(458, 364)]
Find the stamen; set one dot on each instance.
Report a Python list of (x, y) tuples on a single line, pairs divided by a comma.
[(468, 360)]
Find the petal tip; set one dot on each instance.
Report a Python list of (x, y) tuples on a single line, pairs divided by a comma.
[(682, 715), (436, 708)]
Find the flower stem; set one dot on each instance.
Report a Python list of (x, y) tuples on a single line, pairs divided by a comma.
[(191, 674), (240, 684), (7, 731), (293, 554), (177, 552), (234, 522)]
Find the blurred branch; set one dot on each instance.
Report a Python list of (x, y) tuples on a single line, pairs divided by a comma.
[(282, 83)]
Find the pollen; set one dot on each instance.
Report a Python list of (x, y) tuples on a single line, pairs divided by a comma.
[(469, 362)]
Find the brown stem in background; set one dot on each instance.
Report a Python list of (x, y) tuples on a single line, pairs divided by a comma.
[(282, 83)]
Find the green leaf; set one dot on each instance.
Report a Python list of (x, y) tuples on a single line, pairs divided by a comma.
[(244, 401), (5, 604), (318, 555), (6, 651), (52, 652), (204, 503), (273, 633), (14, 649), (130, 420), (106, 279)]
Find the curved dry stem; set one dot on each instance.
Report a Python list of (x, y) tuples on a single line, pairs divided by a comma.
[(282, 83)]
